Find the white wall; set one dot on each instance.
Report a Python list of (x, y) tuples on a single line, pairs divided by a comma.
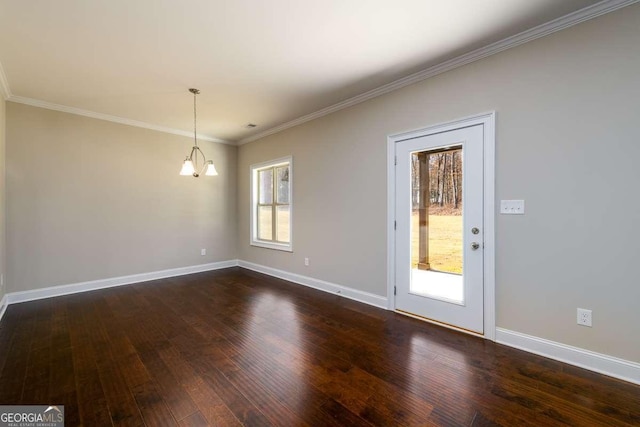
[(567, 142), (89, 199)]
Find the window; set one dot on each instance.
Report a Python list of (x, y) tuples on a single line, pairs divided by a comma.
[(271, 204)]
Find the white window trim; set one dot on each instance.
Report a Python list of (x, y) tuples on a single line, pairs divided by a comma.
[(253, 195)]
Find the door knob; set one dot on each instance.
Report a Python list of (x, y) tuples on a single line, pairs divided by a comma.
[(475, 245)]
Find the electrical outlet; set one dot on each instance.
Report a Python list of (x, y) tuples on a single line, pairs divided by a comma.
[(584, 317), (203, 252), (306, 262)]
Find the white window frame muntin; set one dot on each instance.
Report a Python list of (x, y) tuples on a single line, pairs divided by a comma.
[(253, 202)]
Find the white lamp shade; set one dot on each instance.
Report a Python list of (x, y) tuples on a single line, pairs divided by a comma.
[(187, 168), (211, 169)]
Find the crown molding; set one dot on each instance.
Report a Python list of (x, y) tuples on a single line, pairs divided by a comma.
[(107, 117), (5, 91), (543, 30)]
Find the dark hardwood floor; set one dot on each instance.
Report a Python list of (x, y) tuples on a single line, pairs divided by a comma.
[(234, 347)]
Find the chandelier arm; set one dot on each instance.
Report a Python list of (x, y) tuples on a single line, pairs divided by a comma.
[(204, 160), (193, 157)]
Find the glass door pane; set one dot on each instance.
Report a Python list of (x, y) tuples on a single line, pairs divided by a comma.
[(436, 224)]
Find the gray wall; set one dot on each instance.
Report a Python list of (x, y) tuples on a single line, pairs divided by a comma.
[(89, 199), (3, 106), (567, 142)]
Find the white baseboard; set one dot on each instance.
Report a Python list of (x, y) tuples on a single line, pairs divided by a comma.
[(55, 291), (601, 363), (3, 305), (354, 294)]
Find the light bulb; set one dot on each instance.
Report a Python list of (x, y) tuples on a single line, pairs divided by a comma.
[(187, 168), (211, 169)]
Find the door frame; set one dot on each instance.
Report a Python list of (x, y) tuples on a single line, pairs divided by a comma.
[(487, 120)]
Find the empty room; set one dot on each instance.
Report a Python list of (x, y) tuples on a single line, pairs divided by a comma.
[(319, 213)]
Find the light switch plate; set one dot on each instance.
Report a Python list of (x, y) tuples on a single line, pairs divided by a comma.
[(512, 207)]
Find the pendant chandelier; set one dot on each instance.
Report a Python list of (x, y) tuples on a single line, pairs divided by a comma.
[(191, 165)]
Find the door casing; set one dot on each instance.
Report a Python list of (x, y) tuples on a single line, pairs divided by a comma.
[(487, 120)]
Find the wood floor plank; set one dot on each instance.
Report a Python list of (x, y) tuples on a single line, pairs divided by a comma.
[(194, 420), (245, 410), (17, 350), (178, 400), (92, 402), (210, 405), (273, 409), (122, 405), (38, 375), (234, 347), (152, 405)]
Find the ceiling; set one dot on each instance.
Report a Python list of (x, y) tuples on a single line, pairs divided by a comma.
[(263, 62)]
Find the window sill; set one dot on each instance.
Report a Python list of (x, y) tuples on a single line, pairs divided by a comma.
[(270, 245)]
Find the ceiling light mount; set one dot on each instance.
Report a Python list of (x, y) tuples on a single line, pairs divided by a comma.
[(191, 165)]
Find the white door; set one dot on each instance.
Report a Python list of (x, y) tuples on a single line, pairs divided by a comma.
[(439, 221)]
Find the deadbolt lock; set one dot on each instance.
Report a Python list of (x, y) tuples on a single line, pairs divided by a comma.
[(475, 230)]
